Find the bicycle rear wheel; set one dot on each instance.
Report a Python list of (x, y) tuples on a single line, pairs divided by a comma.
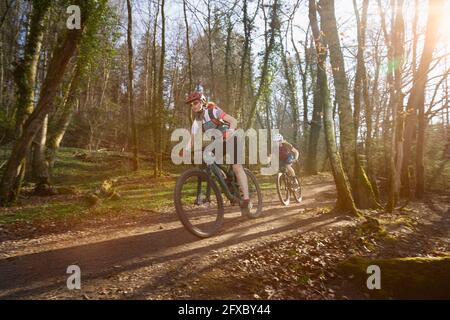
[(199, 203), (283, 188)]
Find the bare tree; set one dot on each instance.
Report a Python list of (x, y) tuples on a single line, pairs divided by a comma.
[(160, 96), (188, 48), (345, 200), (417, 96), (135, 161), (274, 29), (361, 186), (64, 51)]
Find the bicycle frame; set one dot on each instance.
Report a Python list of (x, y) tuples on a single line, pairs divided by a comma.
[(216, 170)]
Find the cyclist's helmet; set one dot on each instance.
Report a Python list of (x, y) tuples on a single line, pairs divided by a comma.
[(277, 138), (196, 95)]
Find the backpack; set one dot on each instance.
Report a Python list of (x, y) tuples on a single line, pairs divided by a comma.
[(213, 122)]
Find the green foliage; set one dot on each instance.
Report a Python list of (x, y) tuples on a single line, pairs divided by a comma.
[(102, 34), (134, 193)]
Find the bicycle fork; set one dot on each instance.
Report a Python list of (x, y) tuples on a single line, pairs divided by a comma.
[(200, 199)]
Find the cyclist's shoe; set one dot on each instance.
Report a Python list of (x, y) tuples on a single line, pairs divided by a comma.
[(246, 205)]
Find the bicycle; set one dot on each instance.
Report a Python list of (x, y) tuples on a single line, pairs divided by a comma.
[(287, 185), (199, 202)]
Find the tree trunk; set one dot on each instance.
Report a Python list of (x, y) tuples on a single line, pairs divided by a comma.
[(292, 94), (361, 90), (228, 63), (60, 127), (188, 48), (60, 59), (245, 55), (25, 75), (8, 6), (395, 43), (160, 97), (40, 164), (361, 187), (417, 96), (316, 127), (312, 164), (27, 68), (147, 76), (135, 161), (274, 28), (2, 72), (154, 86), (212, 70), (420, 167), (303, 77), (345, 200)]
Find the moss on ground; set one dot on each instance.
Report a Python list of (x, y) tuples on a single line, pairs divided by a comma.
[(403, 278), (74, 177)]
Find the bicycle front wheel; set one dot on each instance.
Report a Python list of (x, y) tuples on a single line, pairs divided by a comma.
[(255, 195), (283, 188), (199, 203), (297, 189)]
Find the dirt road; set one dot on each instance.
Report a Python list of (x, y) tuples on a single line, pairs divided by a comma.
[(147, 261)]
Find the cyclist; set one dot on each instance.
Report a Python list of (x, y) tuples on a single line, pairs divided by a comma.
[(207, 115), (287, 154)]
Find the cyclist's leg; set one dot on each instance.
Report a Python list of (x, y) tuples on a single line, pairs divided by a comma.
[(242, 179), (290, 170), (292, 175), (238, 168)]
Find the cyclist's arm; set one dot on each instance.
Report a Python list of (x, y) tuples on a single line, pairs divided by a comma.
[(231, 120), (291, 149), (195, 129), (296, 153)]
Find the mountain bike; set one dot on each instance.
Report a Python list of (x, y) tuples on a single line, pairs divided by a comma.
[(198, 197), (287, 185)]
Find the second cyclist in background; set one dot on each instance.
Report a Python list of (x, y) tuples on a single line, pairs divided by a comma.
[(287, 154)]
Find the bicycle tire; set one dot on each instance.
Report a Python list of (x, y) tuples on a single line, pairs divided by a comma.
[(298, 195), (251, 178), (284, 200), (181, 212)]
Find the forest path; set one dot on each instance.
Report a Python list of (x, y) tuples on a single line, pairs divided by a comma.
[(140, 261)]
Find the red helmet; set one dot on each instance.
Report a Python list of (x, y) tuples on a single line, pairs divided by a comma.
[(196, 95)]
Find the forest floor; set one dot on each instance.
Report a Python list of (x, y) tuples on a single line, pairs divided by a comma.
[(133, 246)]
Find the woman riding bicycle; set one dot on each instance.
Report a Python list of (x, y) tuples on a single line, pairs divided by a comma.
[(207, 115), (287, 182), (287, 154)]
